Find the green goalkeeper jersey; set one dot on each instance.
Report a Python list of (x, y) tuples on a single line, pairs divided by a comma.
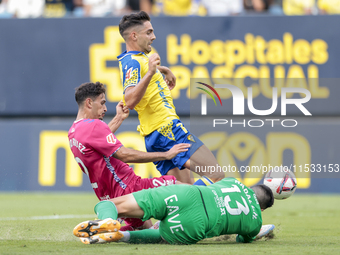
[(189, 213), (232, 208)]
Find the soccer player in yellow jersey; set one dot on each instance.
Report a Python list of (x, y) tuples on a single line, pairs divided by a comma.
[(146, 91)]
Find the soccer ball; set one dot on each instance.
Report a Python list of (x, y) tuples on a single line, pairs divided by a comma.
[(281, 181)]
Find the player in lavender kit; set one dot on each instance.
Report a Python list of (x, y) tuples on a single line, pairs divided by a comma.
[(102, 156)]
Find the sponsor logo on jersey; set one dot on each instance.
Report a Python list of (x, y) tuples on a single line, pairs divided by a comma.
[(163, 96), (172, 207), (131, 77), (111, 139), (128, 74)]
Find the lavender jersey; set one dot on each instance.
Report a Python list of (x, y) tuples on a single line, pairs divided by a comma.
[(93, 146)]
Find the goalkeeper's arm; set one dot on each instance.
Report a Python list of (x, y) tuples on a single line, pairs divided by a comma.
[(245, 238)]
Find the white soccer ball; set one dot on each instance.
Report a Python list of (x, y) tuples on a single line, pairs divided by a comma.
[(281, 181)]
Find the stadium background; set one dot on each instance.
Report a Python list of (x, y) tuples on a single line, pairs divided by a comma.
[(43, 60)]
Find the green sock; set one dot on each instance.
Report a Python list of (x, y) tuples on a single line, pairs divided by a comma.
[(145, 236), (106, 209)]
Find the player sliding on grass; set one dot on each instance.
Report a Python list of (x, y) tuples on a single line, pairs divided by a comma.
[(146, 91), (188, 214), (102, 156)]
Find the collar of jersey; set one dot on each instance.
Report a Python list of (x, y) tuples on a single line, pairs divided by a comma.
[(76, 121), (133, 52)]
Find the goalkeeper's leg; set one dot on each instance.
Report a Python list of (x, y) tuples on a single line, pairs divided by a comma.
[(146, 236), (107, 214)]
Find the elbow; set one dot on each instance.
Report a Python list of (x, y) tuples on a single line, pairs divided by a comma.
[(131, 107), (125, 160), (122, 155), (130, 104)]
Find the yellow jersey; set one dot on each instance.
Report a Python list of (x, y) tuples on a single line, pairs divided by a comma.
[(329, 6), (177, 7), (156, 109), (297, 7)]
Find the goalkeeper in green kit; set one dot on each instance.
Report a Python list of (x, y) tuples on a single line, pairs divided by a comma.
[(187, 214)]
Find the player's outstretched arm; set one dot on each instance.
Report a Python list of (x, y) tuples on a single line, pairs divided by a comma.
[(266, 230), (122, 112), (134, 94), (244, 239), (128, 155)]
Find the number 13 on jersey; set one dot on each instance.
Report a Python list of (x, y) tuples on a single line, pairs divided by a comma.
[(241, 207)]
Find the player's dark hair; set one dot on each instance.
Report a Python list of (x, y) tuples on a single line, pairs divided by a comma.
[(89, 90), (131, 20), (264, 195)]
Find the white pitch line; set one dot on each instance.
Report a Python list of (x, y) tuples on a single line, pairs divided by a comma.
[(50, 217)]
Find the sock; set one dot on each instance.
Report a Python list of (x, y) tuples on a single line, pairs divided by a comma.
[(203, 181), (106, 209), (143, 236), (126, 236)]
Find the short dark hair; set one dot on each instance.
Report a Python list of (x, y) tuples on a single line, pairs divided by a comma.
[(89, 90), (264, 195), (131, 20)]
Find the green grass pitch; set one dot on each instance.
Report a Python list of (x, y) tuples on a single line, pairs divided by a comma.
[(42, 223)]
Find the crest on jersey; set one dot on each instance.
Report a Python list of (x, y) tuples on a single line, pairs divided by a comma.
[(191, 138), (111, 139)]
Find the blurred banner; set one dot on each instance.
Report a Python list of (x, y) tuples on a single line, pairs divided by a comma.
[(35, 153), (275, 104), (43, 60)]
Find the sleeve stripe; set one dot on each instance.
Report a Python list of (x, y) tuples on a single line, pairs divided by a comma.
[(131, 85), (116, 151)]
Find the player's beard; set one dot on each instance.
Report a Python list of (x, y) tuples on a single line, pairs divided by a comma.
[(147, 51)]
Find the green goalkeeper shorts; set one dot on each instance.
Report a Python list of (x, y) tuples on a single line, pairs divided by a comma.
[(179, 208)]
